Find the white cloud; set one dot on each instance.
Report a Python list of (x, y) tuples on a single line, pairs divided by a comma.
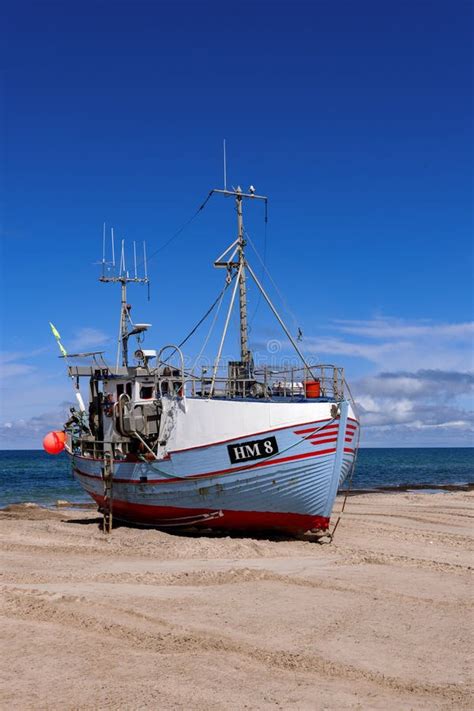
[(8, 370), (87, 338), (394, 344), (336, 346), (398, 328), (8, 356), (33, 394), (423, 406), (11, 362), (456, 424), (28, 433), (419, 385), (420, 390)]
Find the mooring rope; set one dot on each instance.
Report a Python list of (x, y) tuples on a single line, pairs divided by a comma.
[(351, 474)]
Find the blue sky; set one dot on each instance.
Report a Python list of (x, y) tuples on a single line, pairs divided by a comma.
[(354, 118)]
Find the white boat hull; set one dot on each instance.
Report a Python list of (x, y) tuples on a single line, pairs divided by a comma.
[(265, 465)]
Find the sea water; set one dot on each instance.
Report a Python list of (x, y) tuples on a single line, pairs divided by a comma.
[(30, 475)]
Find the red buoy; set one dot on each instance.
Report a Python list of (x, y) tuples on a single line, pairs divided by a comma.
[(54, 442)]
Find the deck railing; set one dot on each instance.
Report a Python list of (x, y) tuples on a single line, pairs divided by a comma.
[(324, 381), (86, 446), (232, 380)]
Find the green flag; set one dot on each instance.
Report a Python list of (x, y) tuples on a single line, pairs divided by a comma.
[(55, 331), (58, 337)]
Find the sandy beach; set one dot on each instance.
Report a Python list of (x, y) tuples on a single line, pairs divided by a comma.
[(379, 619)]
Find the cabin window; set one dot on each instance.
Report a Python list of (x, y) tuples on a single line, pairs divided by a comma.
[(146, 392), (124, 388)]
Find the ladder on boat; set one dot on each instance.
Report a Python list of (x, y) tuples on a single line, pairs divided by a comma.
[(107, 479)]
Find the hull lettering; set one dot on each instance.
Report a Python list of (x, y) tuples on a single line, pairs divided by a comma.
[(249, 451)]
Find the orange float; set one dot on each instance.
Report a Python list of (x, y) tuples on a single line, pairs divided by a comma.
[(53, 442)]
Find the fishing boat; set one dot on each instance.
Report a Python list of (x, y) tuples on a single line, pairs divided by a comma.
[(236, 445)]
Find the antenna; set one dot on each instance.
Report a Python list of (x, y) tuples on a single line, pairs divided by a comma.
[(225, 167), (144, 261), (123, 268), (103, 251), (113, 247), (123, 278)]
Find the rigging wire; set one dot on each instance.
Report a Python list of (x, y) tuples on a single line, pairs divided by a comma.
[(221, 294), (280, 295), (196, 360), (178, 232), (210, 309), (259, 298)]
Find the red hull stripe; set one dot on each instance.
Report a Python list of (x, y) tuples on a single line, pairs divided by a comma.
[(324, 431), (323, 435), (154, 515), (323, 441), (330, 429), (172, 480)]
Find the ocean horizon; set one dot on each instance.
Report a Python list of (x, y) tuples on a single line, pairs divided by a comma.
[(33, 476)]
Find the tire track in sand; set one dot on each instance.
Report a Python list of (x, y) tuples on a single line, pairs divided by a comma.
[(63, 610)]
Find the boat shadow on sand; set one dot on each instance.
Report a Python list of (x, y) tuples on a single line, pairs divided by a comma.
[(194, 532), (268, 535)]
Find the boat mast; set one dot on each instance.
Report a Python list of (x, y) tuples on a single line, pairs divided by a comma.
[(245, 355), (124, 316), (240, 264)]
